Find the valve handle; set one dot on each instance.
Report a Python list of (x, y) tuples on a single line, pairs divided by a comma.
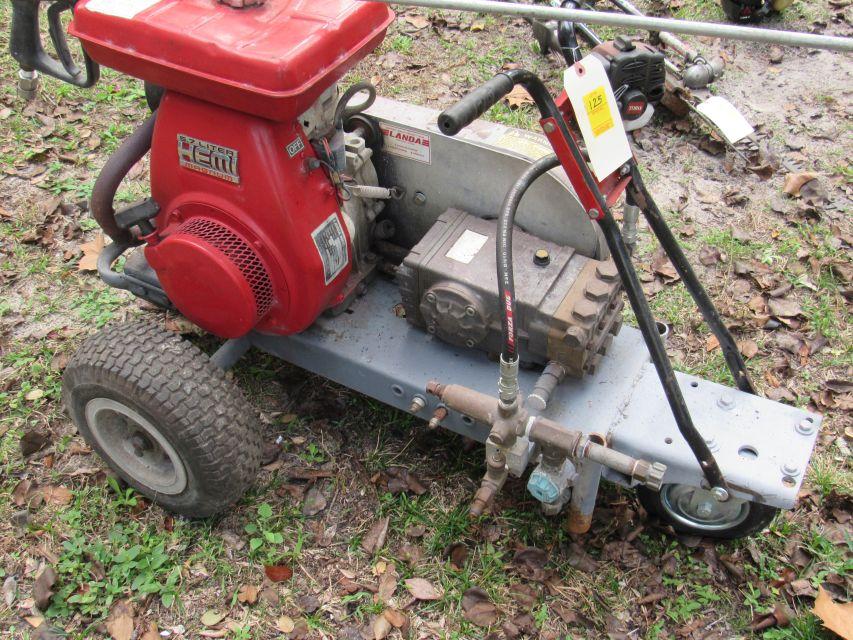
[(26, 44)]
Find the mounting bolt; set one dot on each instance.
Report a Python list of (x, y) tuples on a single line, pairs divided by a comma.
[(419, 198), (431, 328), (437, 417), (541, 258), (805, 428), (790, 469), (720, 494), (549, 127), (28, 84), (593, 214), (470, 343), (418, 403), (726, 401), (470, 311), (430, 297)]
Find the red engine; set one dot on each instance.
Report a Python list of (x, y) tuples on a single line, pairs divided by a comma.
[(249, 235)]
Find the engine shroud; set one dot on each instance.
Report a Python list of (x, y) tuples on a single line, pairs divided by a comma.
[(568, 308)]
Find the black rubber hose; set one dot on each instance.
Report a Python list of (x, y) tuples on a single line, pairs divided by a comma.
[(343, 111), (503, 246), (619, 253), (639, 195), (119, 164), (567, 38)]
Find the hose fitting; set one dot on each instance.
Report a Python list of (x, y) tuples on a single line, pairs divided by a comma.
[(508, 383)]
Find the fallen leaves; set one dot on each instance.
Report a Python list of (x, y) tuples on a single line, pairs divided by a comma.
[(120, 623), (518, 97), (834, 616), (423, 589), (285, 624), (211, 618), (278, 572), (247, 594), (794, 182), (43, 587), (91, 252), (478, 609), (784, 307), (374, 540)]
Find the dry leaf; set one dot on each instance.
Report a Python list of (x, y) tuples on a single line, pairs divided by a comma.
[(478, 609), (285, 624), (120, 623), (784, 307), (835, 617), (375, 538), (247, 594), (57, 495), (278, 572), (518, 97), (418, 22), (712, 343), (152, 633), (381, 628), (422, 589), (395, 617), (91, 252), (795, 181), (212, 618), (748, 348), (43, 587)]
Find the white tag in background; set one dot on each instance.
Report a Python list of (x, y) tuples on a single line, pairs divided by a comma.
[(725, 116), (120, 8), (597, 114)]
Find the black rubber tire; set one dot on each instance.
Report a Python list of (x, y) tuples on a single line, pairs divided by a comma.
[(171, 383), (759, 517)]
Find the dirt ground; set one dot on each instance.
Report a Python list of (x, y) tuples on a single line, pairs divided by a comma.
[(359, 508)]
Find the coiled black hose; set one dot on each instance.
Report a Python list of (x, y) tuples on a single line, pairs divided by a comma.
[(506, 280)]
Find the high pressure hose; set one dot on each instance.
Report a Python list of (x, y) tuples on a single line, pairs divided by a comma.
[(506, 281), (117, 167)]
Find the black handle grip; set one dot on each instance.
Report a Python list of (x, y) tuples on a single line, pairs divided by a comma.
[(475, 104), (26, 46)]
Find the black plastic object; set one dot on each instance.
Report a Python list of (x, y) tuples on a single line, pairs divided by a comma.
[(26, 45), (638, 195), (475, 104)]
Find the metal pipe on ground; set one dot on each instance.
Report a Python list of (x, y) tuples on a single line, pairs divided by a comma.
[(646, 23)]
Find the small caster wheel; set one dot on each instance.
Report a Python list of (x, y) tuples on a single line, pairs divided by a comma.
[(695, 511), (164, 418)]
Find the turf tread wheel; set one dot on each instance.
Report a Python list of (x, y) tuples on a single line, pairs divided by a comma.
[(759, 517), (199, 410)]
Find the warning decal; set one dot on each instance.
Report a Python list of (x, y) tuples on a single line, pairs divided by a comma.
[(120, 8), (406, 143), (598, 110), (331, 243)]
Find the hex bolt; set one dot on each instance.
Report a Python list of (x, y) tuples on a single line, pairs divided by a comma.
[(470, 311), (607, 271), (430, 297), (549, 127), (720, 494), (790, 469), (805, 428), (437, 417), (419, 198), (431, 328), (418, 403), (584, 310), (28, 84), (593, 214), (575, 336), (726, 401), (470, 343)]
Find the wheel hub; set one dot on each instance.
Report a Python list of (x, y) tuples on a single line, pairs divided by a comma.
[(699, 509), (136, 446)]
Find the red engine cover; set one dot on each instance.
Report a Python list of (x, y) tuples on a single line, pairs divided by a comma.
[(247, 236), (272, 60)]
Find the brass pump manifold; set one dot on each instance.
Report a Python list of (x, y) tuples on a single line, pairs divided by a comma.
[(555, 441)]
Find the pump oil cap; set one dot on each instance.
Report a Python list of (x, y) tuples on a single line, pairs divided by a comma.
[(541, 258)]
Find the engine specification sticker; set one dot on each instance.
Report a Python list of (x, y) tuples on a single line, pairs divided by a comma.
[(120, 8), (331, 243), (406, 143), (208, 158), (466, 246)]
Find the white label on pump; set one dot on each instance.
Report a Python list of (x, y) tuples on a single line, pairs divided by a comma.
[(331, 243), (467, 246), (406, 143), (725, 116), (597, 114), (120, 8)]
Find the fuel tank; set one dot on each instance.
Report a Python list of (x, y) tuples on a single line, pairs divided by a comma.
[(272, 60)]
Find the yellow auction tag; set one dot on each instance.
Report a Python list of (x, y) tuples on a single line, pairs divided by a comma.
[(598, 110)]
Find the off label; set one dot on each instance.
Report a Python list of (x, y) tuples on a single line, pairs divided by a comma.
[(331, 243), (406, 143)]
